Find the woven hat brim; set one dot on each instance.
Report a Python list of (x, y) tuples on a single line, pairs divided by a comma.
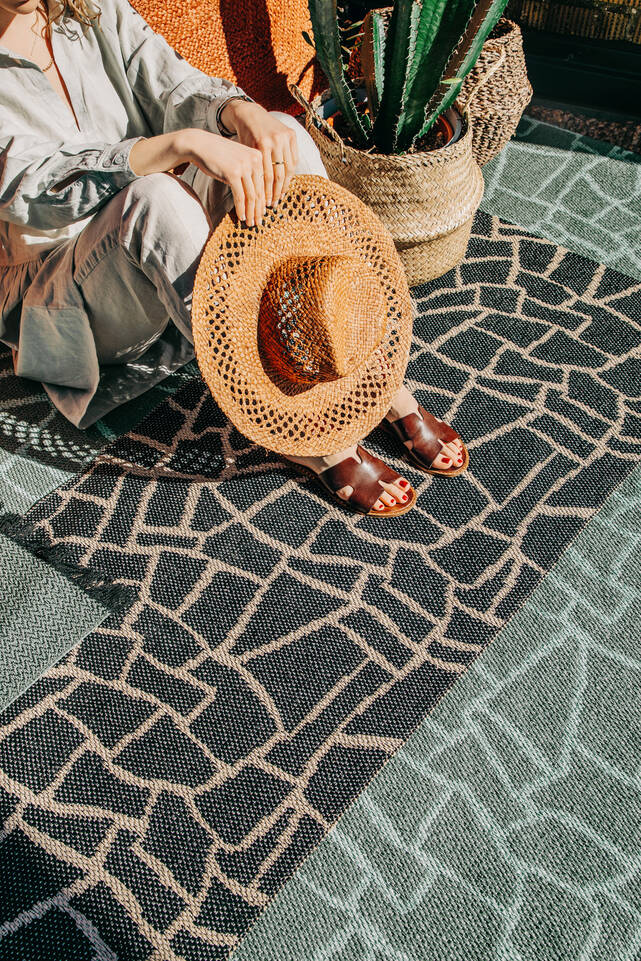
[(315, 218)]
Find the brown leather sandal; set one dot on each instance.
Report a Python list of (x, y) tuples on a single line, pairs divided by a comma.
[(423, 428), (364, 479)]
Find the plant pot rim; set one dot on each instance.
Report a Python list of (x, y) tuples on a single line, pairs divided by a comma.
[(511, 28), (441, 154)]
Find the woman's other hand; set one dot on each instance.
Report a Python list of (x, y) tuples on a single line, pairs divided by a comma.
[(255, 127)]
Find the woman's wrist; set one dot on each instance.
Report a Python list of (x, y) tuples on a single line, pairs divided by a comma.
[(163, 152), (226, 118)]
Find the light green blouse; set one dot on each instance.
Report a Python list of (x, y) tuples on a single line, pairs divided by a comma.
[(125, 82)]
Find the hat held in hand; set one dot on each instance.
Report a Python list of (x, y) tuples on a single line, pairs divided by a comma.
[(302, 326)]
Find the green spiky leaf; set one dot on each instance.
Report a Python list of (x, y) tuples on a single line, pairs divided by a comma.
[(399, 48), (373, 56), (327, 41), (479, 27), (441, 27)]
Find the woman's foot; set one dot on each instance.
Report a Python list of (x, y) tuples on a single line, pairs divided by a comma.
[(364, 482), (432, 445)]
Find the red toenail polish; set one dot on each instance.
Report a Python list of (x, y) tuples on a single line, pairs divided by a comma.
[(404, 483), (446, 460), (404, 497)]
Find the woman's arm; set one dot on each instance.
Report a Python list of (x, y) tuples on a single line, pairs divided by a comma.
[(171, 93), (49, 185)]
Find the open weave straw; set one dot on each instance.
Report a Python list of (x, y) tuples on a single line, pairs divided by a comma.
[(426, 199), (258, 45), (497, 91), (302, 326)]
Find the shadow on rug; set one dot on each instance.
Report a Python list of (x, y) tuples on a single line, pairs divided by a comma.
[(167, 777)]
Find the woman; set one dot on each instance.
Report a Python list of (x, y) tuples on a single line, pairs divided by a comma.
[(100, 238)]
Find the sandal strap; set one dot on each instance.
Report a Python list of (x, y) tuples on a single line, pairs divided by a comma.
[(424, 431), (363, 478)]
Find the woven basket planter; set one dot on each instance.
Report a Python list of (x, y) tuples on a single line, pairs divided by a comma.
[(497, 91), (426, 200)]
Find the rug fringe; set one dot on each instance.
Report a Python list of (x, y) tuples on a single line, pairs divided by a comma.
[(114, 597)]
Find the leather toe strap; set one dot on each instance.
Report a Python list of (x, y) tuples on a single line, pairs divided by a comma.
[(426, 433), (363, 478)]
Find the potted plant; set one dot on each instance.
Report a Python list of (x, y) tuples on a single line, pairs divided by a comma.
[(399, 143)]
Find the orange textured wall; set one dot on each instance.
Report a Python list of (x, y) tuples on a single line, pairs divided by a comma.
[(256, 43)]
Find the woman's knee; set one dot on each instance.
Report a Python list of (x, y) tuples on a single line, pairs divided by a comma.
[(309, 158), (161, 212)]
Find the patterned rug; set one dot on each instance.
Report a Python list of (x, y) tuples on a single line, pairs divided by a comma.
[(578, 192), (40, 449), (190, 752), (508, 826)]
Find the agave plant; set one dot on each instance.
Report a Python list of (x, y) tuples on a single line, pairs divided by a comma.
[(415, 56)]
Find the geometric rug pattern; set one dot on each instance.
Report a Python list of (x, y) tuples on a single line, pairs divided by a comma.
[(29, 468), (576, 191), (40, 449), (187, 755), (509, 825)]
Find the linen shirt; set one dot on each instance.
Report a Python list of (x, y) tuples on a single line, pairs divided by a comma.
[(125, 82)]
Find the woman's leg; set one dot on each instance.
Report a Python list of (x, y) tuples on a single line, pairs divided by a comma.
[(135, 264)]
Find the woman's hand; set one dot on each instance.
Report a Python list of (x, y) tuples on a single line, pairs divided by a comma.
[(256, 128), (235, 164)]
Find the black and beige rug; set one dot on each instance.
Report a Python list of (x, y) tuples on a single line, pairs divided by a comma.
[(167, 777)]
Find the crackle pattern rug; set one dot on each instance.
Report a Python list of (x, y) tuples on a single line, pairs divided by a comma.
[(164, 780), (508, 825), (39, 450), (573, 190)]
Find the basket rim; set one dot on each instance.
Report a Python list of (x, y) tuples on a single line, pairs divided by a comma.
[(424, 157)]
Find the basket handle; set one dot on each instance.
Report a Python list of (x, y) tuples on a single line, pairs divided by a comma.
[(484, 79), (314, 116)]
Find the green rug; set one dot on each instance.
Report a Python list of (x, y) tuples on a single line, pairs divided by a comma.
[(508, 827), (578, 192), (42, 614)]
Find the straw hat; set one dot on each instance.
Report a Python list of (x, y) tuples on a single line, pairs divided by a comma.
[(302, 326)]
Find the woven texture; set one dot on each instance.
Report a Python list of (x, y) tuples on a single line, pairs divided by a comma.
[(188, 754), (508, 826), (302, 327), (256, 43), (427, 200), (32, 637), (598, 19), (497, 91), (570, 189)]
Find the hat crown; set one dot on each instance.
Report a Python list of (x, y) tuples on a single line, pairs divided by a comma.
[(319, 318)]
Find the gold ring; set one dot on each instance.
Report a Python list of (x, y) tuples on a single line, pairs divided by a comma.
[(277, 162)]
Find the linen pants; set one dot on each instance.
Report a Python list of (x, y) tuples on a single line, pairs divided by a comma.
[(136, 260)]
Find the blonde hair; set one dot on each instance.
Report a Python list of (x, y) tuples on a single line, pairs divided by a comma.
[(84, 11)]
